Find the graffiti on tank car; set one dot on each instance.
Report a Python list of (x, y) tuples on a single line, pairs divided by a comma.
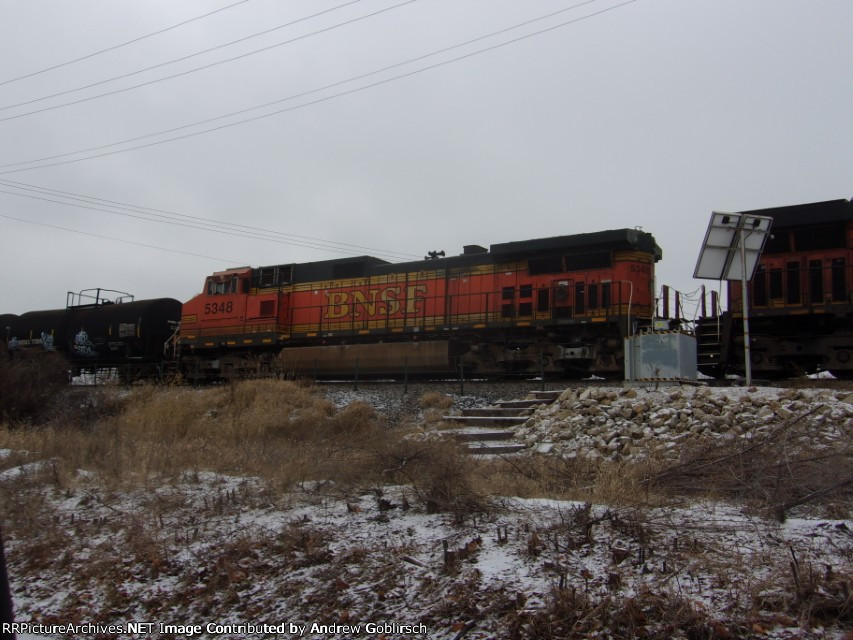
[(83, 346), (47, 342), (375, 302)]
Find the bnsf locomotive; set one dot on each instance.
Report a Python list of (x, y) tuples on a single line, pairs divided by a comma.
[(800, 299), (555, 306), (558, 305), (552, 306)]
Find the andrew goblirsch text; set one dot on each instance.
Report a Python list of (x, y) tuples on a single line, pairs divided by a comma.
[(214, 629)]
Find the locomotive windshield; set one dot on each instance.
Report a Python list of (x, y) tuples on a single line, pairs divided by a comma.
[(215, 287)]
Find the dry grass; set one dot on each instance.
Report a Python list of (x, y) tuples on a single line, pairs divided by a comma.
[(273, 429), (774, 471), (439, 473), (276, 434), (433, 400), (279, 431), (435, 407), (29, 385), (582, 479), (571, 614), (287, 433)]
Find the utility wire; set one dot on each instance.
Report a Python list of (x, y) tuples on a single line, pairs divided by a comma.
[(138, 244), (218, 224), (247, 235), (187, 57), (300, 95), (307, 104), (119, 46), (190, 71)]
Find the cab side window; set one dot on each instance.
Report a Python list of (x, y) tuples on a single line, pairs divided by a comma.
[(220, 288)]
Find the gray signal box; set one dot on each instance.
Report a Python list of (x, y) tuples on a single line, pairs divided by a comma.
[(660, 356)]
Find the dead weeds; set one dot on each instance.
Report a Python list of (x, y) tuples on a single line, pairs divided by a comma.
[(69, 507)]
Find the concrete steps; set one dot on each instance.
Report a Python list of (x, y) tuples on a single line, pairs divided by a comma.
[(497, 411), (490, 430), (493, 449), (480, 435), (504, 421), (546, 397), (520, 404)]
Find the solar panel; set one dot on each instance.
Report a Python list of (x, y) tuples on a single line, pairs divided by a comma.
[(721, 257)]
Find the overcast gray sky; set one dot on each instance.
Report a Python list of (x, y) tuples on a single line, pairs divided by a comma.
[(648, 113)]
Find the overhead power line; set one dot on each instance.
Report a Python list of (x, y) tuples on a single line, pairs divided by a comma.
[(119, 46), (306, 93), (196, 222), (190, 71), (102, 237)]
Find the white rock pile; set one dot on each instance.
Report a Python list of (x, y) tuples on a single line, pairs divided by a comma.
[(629, 423)]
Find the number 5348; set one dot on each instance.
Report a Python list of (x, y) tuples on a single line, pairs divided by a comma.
[(222, 307)]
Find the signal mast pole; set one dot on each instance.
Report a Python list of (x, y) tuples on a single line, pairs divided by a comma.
[(727, 233), (747, 356)]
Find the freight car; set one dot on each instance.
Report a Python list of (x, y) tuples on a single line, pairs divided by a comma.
[(553, 306), (800, 300), (98, 329)]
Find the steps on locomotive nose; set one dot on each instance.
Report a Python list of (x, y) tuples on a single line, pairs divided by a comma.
[(489, 430)]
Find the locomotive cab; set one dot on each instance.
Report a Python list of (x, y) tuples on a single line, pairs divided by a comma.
[(235, 322), (219, 310)]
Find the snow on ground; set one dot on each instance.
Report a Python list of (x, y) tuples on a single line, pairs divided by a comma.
[(223, 554), (619, 424), (223, 550)]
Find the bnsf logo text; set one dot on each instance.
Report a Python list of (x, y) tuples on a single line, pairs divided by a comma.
[(375, 302)]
